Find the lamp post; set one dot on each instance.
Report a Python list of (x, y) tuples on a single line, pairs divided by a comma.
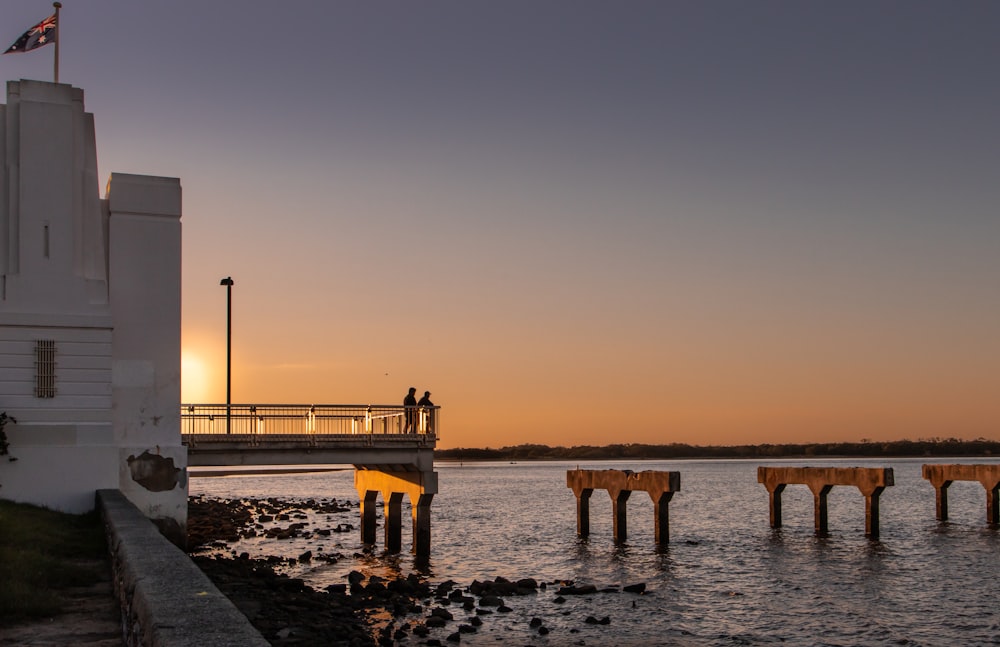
[(228, 282)]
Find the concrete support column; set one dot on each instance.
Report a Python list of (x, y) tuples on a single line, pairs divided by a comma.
[(774, 498), (393, 521), (619, 507), (583, 512), (419, 486), (992, 503), (368, 521), (661, 516), (941, 500), (820, 508), (422, 525), (871, 512)]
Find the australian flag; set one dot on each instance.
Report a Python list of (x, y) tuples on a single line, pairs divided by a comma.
[(41, 34)]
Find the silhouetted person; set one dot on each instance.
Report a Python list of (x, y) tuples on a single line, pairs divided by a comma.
[(410, 405), (425, 403)]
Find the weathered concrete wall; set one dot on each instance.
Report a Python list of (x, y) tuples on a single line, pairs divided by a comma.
[(53, 289), (89, 316), (166, 600), (144, 262)]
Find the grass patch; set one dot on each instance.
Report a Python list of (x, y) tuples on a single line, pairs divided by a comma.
[(42, 553)]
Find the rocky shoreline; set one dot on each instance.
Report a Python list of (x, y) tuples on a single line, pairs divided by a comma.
[(364, 610)]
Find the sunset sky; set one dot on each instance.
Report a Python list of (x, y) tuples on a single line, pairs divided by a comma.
[(573, 222)]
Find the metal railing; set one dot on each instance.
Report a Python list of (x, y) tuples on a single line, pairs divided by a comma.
[(308, 419)]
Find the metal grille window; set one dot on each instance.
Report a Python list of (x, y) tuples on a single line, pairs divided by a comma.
[(45, 368)]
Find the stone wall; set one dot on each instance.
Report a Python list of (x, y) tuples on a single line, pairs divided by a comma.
[(167, 601)]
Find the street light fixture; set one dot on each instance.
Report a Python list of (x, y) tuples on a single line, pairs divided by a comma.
[(228, 282)]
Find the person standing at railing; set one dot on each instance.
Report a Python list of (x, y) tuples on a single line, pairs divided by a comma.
[(426, 405), (410, 411)]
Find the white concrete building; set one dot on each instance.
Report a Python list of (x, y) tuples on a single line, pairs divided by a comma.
[(90, 310)]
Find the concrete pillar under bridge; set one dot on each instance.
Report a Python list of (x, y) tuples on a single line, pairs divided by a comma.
[(419, 486)]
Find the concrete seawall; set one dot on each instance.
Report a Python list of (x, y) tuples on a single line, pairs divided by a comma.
[(166, 600)]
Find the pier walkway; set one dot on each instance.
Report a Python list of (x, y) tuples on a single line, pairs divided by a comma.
[(391, 448)]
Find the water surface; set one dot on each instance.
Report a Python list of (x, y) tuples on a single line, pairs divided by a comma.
[(725, 578)]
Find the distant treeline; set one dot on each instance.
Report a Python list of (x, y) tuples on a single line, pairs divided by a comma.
[(929, 447)]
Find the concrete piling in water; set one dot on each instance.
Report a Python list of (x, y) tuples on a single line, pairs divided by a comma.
[(419, 486), (942, 476), (871, 481), (620, 484)]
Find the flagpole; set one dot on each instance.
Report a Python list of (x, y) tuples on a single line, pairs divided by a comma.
[(58, 6)]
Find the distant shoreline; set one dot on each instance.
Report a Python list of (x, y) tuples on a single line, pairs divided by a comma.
[(931, 448)]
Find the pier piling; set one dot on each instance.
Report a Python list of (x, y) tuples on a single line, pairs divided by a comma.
[(871, 481), (420, 487), (942, 476), (620, 484)]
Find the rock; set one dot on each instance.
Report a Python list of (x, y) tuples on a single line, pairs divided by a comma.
[(559, 599), (355, 577), (544, 631), (454, 638), (535, 622), (583, 589), (442, 613), (635, 588), (306, 556), (434, 622), (466, 629), (490, 601)]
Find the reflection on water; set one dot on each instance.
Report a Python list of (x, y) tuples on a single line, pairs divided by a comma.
[(725, 578)]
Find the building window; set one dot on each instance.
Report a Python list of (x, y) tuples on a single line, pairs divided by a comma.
[(45, 368)]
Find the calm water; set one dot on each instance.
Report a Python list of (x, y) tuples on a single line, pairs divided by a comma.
[(726, 578)]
